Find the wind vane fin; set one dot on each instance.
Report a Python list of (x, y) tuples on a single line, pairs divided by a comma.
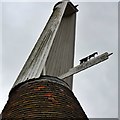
[(86, 65)]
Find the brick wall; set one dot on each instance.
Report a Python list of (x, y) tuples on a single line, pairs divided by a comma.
[(42, 99)]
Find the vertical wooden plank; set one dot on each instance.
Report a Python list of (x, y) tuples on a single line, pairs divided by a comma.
[(36, 61)]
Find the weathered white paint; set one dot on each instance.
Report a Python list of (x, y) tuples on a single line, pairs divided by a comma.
[(61, 56), (86, 65), (36, 61)]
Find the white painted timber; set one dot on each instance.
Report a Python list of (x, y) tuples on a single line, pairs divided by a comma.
[(86, 65), (36, 61), (61, 55)]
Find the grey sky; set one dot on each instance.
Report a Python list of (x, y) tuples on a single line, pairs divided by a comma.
[(95, 88)]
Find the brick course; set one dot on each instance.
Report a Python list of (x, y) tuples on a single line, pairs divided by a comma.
[(42, 99)]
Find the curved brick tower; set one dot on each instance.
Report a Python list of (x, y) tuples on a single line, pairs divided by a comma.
[(38, 92), (43, 98)]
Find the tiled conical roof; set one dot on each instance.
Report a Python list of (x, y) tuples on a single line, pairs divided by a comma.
[(43, 98)]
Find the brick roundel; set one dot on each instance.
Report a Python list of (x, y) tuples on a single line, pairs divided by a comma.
[(42, 99)]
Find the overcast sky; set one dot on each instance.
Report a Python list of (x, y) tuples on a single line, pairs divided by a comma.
[(96, 30)]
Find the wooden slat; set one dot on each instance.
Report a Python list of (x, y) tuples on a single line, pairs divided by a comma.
[(85, 65), (36, 61), (61, 56)]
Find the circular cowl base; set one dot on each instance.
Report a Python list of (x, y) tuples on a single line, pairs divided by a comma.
[(42, 99)]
